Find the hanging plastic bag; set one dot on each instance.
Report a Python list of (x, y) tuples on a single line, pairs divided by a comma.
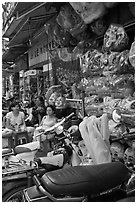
[(70, 20), (132, 54), (115, 38)]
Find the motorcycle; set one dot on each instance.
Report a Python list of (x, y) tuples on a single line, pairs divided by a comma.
[(28, 151), (18, 170), (102, 182), (80, 179), (97, 183)]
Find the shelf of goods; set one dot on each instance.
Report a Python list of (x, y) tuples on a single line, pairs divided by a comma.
[(108, 73)]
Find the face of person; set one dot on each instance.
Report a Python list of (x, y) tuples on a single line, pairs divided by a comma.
[(37, 102), (49, 111), (15, 108)]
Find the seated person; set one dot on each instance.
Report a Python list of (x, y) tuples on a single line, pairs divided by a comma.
[(38, 111), (47, 121), (15, 121)]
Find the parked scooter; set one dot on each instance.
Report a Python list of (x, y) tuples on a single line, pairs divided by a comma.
[(98, 183), (18, 170), (80, 184), (28, 151)]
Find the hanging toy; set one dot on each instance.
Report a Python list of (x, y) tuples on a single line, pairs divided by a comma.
[(115, 38), (117, 151)]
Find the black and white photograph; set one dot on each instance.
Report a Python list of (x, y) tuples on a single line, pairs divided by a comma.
[(68, 101)]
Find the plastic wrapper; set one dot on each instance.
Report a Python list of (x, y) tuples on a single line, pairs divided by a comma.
[(132, 54), (70, 20), (94, 109), (115, 38), (109, 62), (124, 66), (122, 80), (116, 63), (90, 61)]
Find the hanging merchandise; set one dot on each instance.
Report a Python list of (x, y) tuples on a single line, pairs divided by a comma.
[(70, 20), (115, 38), (63, 37), (90, 11), (129, 157), (132, 55), (67, 73), (90, 62), (64, 55), (98, 27), (117, 151), (49, 28), (87, 45), (112, 62), (124, 66), (33, 83)]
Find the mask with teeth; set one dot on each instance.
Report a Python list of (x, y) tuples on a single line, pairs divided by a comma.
[(129, 157), (117, 151)]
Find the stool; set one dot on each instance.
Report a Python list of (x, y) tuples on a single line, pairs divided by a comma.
[(7, 140), (21, 138)]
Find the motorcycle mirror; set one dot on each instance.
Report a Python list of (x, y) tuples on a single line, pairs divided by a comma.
[(116, 115)]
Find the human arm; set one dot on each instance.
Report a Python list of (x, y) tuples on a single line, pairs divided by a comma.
[(21, 123), (8, 122)]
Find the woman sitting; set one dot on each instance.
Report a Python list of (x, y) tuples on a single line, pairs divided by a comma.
[(15, 121), (47, 121)]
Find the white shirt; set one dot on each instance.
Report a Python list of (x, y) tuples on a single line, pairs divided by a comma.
[(15, 119)]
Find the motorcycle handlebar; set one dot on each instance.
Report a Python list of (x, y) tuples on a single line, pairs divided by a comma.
[(69, 116), (56, 125)]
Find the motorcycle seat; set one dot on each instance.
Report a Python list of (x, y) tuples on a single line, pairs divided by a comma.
[(83, 180), (29, 147)]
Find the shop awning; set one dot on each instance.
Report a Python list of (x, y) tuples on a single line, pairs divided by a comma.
[(35, 20), (12, 53), (21, 7), (12, 28)]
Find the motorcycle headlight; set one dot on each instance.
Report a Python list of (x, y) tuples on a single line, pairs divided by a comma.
[(59, 130)]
